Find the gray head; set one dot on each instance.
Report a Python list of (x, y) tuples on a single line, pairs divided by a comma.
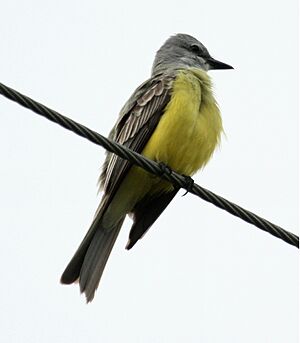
[(184, 51)]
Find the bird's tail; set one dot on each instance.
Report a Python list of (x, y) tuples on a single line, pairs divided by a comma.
[(90, 259)]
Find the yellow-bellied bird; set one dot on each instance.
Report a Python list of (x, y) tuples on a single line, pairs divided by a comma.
[(172, 118)]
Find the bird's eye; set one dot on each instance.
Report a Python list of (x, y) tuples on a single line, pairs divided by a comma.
[(196, 49)]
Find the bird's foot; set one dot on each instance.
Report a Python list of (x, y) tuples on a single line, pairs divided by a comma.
[(164, 169), (189, 184)]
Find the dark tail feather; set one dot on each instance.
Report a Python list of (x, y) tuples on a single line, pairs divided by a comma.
[(72, 271), (89, 261), (95, 259)]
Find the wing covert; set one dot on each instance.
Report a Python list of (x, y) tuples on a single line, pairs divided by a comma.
[(137, 121)]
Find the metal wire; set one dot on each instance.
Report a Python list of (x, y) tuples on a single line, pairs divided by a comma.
[(150, 166)]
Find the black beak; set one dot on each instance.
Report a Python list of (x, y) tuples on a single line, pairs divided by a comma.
[(214, 64)]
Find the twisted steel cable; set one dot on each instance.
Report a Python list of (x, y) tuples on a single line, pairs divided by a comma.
[(150, 166)]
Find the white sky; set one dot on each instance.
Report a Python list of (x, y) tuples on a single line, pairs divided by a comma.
[(199, 275)]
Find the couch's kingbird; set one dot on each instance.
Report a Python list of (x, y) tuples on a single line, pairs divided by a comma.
[(172, 118)]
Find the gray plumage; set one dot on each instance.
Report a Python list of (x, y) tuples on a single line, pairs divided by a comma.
[(181, 51)]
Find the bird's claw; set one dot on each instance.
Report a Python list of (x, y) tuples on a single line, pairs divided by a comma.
[(189, 184)]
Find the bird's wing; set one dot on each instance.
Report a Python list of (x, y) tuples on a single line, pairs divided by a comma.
[(137, 121), (146, 212)]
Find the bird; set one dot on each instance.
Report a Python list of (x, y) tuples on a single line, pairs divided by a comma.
[(171, 118)]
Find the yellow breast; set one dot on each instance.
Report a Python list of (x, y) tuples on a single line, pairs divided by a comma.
[(190, 127)]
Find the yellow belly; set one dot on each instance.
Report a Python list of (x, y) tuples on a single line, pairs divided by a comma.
[(184, 139), (190, 128)]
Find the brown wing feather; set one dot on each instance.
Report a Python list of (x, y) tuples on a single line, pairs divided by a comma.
[(136, 123)]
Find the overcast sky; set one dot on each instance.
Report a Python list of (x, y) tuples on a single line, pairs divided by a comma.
[(200, 274)]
